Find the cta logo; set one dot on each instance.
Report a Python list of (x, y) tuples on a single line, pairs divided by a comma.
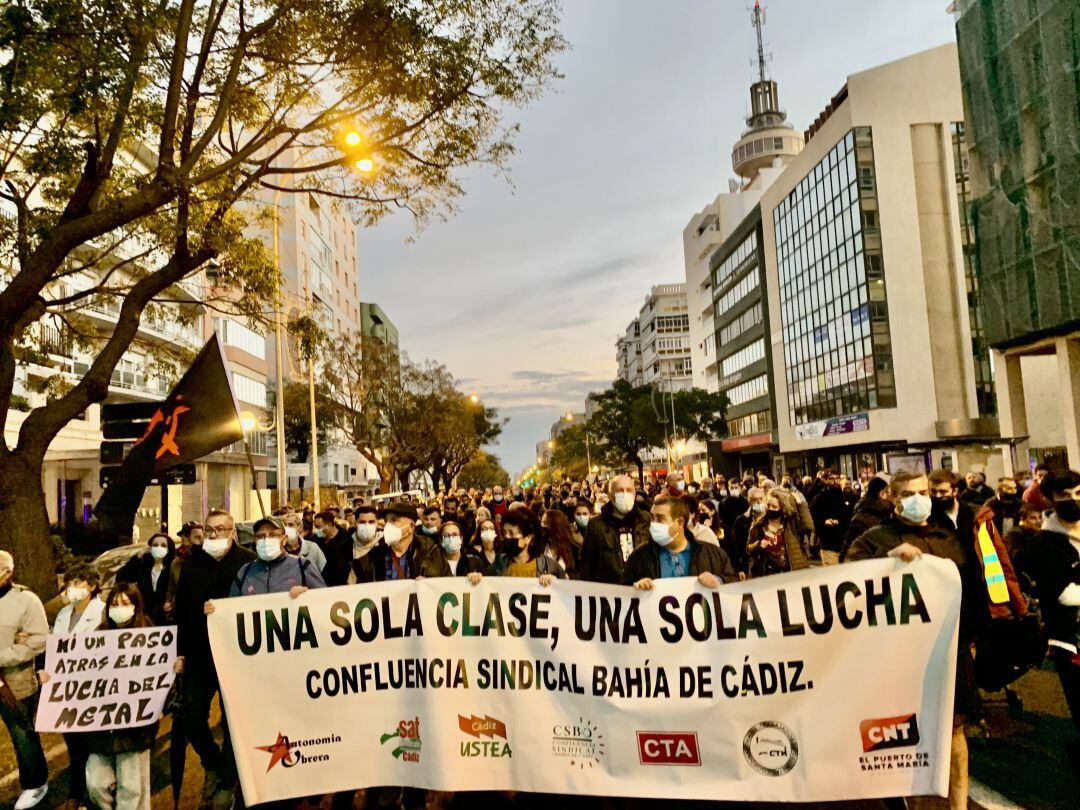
[(770, 748), (668, 748), (581, 743), (406, 739), (481, 727), (889, 732), (289, 753)]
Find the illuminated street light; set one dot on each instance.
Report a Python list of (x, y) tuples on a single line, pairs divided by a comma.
[(365, 165), (474, 399), (353, 138)]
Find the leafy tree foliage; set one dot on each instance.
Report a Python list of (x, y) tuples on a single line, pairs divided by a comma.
[(140, 139), (481, 471)]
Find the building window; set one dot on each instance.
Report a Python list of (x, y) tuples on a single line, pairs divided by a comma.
[(748, 283), (736, 261), (747, 356), (833, 298), (758, 422), (984, 377), (748, 320), (249, 390), (234, 333), (751, 389)]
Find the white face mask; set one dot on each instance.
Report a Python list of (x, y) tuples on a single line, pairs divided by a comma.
[(365, 532), (680, 485), (758, 507), (75, 595), (624, 501), (582, 520), (391, 534), (451, 543), (159, 552), (660, 535), (216, 546), (488, 535), (291, 533), (122, 614), (735, 492), (268, 548)]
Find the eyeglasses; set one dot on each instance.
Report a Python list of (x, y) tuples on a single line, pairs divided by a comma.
[(266, 535), (218, 531)]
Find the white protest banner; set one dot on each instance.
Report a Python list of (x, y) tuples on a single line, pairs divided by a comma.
[(106, 680), (830, 683)]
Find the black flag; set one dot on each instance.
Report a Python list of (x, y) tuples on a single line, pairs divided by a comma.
[(198, 418)]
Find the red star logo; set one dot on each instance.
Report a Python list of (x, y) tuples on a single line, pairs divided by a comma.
[(279, 751)]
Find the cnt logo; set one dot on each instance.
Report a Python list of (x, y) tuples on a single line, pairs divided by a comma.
[(291, 753), (889, 732), (406, 739), (479, 728), (668, 748)]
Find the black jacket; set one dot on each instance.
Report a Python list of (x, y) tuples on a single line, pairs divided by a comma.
[(339, 556), (735, 543), (137, 571), (869, 512), (425, 560), (1054, 563), (644, 563), (977, 496), (1004, 509), (936, 540), (831, 504), (730, 508), (601, 552), (468, 563), (202, 578)]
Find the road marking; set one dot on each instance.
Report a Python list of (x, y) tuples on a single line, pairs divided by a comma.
[(989, 798)]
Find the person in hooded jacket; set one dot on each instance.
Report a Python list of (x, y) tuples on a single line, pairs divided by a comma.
[(150, 572), (873, 507), (612, 536), (673, 551)]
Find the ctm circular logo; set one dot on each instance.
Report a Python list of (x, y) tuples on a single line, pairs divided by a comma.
[(771, 748)]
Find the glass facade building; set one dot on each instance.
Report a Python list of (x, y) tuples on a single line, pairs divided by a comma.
[(834, 303)]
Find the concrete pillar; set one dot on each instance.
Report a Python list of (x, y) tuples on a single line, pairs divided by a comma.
[(1068, 358), (1012, 409)]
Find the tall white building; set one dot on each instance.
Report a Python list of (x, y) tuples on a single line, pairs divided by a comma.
[(766, 145), (665, 338), (628, 355)]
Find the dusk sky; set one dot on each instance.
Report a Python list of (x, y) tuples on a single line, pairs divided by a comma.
[(523, 293)]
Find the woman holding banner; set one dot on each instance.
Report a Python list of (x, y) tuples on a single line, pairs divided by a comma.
[(118, 769), (83, 613)]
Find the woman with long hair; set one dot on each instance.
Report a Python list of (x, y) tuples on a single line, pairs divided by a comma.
[(773, 545), (150, 572), (485, 540), (560, 540), (118, 769), (523, 550)]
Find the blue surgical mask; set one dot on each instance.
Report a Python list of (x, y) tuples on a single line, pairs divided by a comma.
[(268, 548), (916, 508), (320, 533), (582, 520), (451, 543)]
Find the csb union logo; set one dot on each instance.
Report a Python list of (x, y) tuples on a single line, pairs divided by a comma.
[(668, 748), (289, 753), (771, 748), (889, 732), (406, 739), (479, 728), (581, 743)]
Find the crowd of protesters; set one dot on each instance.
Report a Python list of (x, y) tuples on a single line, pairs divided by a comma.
[(614, 531)]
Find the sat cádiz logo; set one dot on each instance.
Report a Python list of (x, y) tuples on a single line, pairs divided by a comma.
[(480, 727), (771, 748), (290, 754)]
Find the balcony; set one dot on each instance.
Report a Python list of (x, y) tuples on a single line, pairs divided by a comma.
[(154, 329)]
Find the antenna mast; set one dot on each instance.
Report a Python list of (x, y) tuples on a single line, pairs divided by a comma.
[(757, 17)]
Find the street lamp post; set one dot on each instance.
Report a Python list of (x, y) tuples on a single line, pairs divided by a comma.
[(279, 404)]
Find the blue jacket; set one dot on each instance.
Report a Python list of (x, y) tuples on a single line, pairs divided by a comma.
[(276, 576)]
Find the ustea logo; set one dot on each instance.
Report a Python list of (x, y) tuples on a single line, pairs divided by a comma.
[(581, 743), (301, 752), (889, 732), (406, 739), (481, 727), (771, 748), (668, 748)]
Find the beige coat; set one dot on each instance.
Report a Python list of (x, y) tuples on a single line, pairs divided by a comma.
[(23, 628)]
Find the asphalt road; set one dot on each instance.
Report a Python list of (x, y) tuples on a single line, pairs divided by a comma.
[(1019, 759)]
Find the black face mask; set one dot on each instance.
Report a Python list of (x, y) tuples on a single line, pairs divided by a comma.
[(510, 548), (1068, 511), (772, 514), (941, 506), (1007, 497)]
